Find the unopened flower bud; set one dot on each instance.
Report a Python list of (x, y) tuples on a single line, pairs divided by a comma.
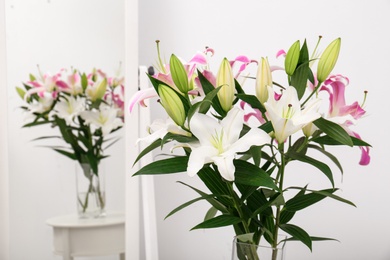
[(292, 58), (172, 104), (328, 60), (263, 80), (225, 80), (97, 92), (179, 74)]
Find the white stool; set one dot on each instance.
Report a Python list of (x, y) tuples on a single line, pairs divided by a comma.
[(75, 237)]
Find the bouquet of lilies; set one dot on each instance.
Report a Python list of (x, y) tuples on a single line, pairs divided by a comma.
[(240, 141), (86, 108)]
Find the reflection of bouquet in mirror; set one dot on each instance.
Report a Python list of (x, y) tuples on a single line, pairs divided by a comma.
[(86, 109), (240, 140)]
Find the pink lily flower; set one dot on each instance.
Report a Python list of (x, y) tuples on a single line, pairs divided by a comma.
[(47, 84), (140, 96), (341, 113)]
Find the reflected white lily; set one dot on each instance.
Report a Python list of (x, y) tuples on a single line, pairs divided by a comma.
[(219, 142), (69, 108), (104, 118)]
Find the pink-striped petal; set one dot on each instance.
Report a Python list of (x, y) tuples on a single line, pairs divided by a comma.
[(140, 96), (280, 53)]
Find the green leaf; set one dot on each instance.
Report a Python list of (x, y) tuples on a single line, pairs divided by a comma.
[(303, 201), (297, 233), (301, 74), (255, 151), (319, 165), (66, 153), (314, 239), (267, 205), (249, 174), (215, 184), (286, 216), (35, 123), (184, 205), (148, 149), (212, 212), (299, 146), (253, 101), (326, 140), (204, 105), (216, 204), (330, 195), (267, 127), (208, 87), (334, 131), (166, 166), (329, 155), (218, 221), (177, 137), (257, 200)]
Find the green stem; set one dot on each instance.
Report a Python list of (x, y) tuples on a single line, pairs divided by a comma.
[(277, 217), (250, 251), (312, 93)]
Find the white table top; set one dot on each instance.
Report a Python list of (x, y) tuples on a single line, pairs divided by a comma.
[(74, 221)]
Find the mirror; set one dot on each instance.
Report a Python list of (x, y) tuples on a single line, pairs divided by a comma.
[(55, 34)]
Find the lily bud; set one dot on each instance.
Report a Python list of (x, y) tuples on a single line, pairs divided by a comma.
[(292, 57), (328, 60), (263, 80), (179, 74), (225, 80), (96, 93), (101, 89), (20, 92), (172, 104)]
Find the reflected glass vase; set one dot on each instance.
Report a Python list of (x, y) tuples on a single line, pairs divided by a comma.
[(247, 251), (90, 189)]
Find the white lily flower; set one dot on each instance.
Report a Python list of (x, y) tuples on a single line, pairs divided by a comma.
[(69, 108), (159, 128), (219, 142), (41, 106), (104, 118), (286, 114), (44, 104)]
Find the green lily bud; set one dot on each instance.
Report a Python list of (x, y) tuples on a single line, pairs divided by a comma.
[(172, 104), (328, 60), (101, 89), (225, 80), (292, 57), (179, 74), (263, 80), (21, 92)]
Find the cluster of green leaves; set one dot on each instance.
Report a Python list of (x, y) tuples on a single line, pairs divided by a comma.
[(256, 202)]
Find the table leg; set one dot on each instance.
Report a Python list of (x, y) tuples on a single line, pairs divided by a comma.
[(66, 244)]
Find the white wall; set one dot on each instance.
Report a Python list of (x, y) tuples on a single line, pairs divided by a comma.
[(260, 28), (54, 34), (4, 198)]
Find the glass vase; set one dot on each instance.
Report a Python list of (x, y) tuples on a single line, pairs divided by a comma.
[(90, 189), (247, 251)]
